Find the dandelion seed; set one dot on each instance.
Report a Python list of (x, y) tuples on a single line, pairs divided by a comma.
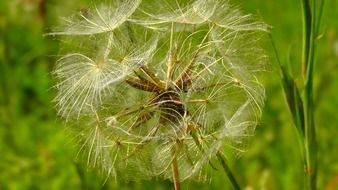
[(102, 18), (197, 12), (85, 82), (230, 17)]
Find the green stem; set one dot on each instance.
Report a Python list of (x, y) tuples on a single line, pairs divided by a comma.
[(227, 171), (310, 142), (307, 18), (174, 169)]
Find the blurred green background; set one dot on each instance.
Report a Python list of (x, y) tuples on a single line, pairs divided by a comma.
[(37, 153)]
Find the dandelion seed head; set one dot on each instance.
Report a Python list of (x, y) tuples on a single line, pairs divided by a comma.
[(168, 81)]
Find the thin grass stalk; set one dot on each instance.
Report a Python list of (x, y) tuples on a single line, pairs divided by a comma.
[(175, 173), (307, 23), (228, 172), (301, 101), (310, 29)]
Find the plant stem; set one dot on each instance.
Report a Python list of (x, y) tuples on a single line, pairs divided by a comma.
[(227, 171), (175, 173), (310, 142), (307, 17), (302, 107)]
